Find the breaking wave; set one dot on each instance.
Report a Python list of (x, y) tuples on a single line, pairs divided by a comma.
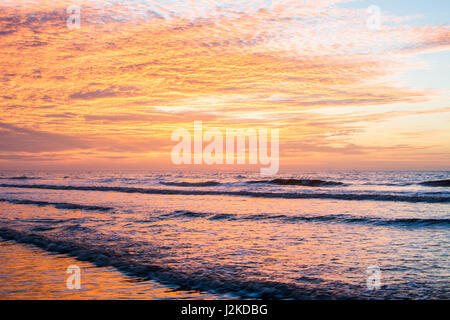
[(437, 183), (339, 218), (20, 178), (299, 182), (255, 194), (191, 184), (58, 205), (201, 280)]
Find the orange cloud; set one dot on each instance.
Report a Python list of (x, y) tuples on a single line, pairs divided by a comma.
[(118, 86)]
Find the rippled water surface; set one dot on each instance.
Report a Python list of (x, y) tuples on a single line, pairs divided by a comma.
[(297, 235)]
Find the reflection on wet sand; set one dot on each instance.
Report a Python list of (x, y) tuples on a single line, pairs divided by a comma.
[(27, 272)]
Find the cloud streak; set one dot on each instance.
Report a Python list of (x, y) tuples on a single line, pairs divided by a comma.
[(136, 70)]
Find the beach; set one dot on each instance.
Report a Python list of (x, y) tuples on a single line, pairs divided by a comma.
[(173, 235), (30, 273)]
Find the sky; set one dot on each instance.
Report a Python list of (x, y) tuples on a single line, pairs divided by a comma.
[(345, 91)]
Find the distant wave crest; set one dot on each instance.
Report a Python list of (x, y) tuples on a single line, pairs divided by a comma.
[(20, 178), (437, 183), (58, 205), (339, 218), (244, 193), (191, 184), (299, 182)]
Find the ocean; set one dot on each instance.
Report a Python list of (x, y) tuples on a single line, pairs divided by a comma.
[(225, 235)]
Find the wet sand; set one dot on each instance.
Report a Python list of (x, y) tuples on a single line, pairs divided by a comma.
[(27, 272)]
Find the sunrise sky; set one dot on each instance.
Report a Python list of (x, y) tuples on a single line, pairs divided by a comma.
[(109, 94)]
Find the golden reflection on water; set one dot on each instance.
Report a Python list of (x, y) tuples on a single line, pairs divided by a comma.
[(27, 272)]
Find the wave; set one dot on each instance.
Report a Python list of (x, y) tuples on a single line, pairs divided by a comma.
[(58, 205), (205, 280), (222, 216), (437, 183), (339, 218), (299, 182), (191, 184), (255, 194), (191, 214), (20, 178)]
